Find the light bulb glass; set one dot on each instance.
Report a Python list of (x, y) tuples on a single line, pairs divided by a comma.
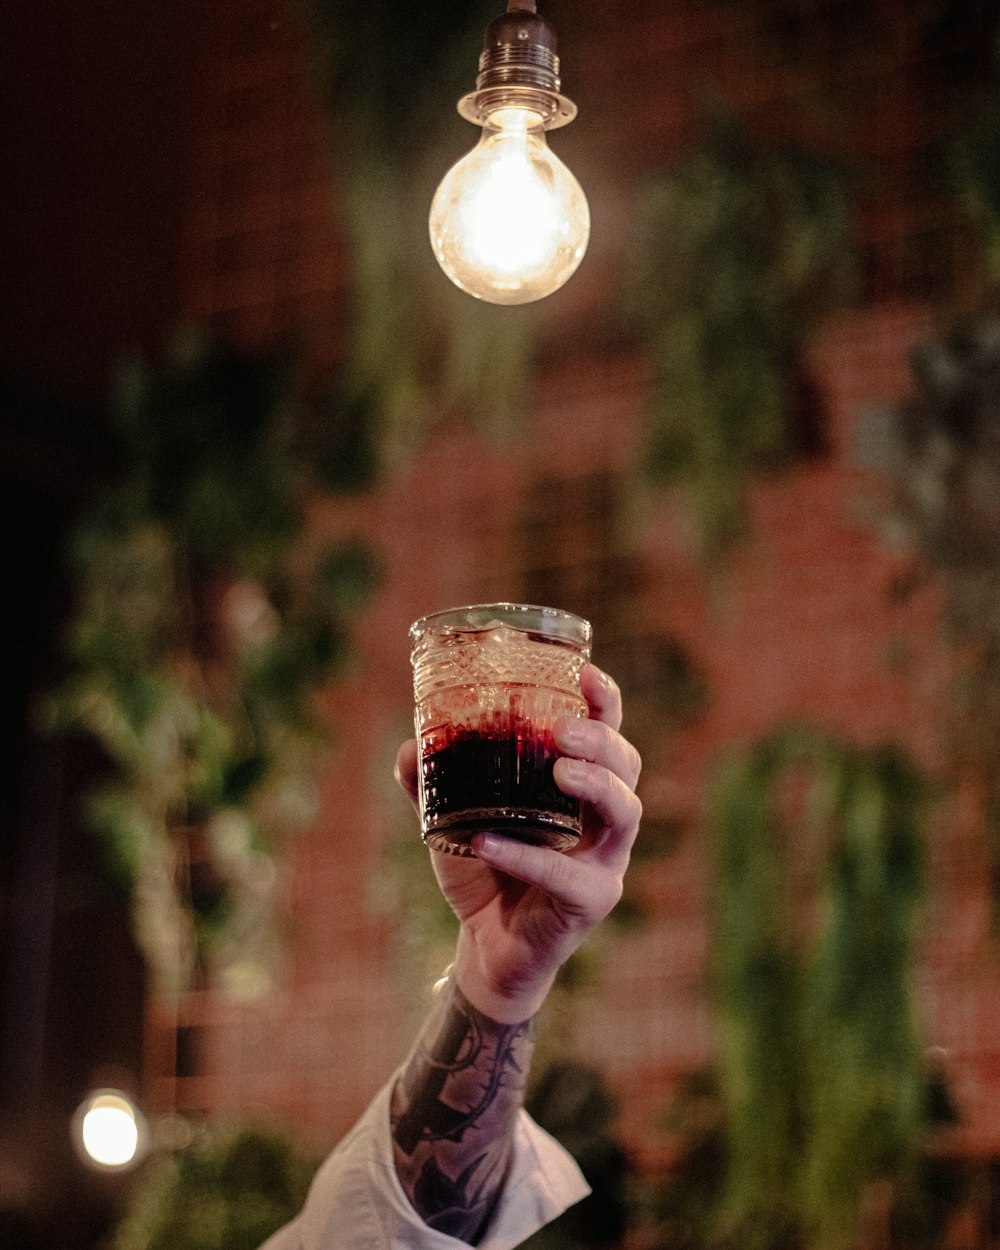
[(509, 222)]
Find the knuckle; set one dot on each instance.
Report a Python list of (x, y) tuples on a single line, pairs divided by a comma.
[(608, 703), (559, 871), (612, 894), (612, 688), (601, 738), (605, 786)]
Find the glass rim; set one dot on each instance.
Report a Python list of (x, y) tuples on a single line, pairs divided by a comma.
[(544, 620)]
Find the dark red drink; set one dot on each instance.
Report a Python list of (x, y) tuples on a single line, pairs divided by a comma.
[(504, 782)]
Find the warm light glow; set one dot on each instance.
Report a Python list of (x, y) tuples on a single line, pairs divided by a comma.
[(109, 1129), (509, 222)]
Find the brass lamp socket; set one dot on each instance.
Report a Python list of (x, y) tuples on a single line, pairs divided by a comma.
[(518, 67)]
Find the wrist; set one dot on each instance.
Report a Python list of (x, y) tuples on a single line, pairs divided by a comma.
[(510, 999)]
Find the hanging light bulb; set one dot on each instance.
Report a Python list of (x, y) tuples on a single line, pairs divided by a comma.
[(509, 222)]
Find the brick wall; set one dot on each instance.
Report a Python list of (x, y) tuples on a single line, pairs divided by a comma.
[(803, 627)]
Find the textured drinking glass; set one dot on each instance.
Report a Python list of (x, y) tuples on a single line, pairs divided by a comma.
[(489, 681)]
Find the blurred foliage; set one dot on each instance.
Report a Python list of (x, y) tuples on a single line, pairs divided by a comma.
[(975, 173), (821, 1090), (389, 78), (741, 250), (203, 624), (940, 451), (229, 1190), (664, 691), (681, 1213)]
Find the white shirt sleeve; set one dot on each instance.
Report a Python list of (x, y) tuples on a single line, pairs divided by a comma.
[(357, 1203)]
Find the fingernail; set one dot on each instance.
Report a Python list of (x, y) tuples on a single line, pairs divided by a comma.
[(490, 844), (572, 733)]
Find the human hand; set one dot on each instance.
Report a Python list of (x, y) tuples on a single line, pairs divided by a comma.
[(523, 909)]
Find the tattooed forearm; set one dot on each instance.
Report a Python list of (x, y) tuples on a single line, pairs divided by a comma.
[(453, 1114)]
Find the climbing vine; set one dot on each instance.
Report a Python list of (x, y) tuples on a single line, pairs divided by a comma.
[(205, 620), (742, 249), (821, 1079), (940, 453)]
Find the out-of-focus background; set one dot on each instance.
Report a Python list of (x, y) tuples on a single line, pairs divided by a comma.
[(249, 432)]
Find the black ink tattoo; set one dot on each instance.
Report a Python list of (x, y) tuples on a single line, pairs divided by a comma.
[(453, 1114)]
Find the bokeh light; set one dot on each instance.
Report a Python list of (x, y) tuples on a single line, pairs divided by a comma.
[(109, 1130)]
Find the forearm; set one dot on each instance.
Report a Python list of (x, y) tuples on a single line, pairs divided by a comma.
[(453, 1113)]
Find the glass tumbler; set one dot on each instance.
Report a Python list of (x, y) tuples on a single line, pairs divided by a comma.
[(489, 680)]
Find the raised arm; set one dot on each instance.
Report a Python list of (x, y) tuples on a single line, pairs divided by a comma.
[(454, 1110), (523, 911)]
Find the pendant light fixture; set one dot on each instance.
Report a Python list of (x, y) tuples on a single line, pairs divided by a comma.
[(509, 223)]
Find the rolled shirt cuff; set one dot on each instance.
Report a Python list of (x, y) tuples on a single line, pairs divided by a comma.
[(356, 1201)]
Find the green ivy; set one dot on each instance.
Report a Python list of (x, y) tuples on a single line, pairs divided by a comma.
[(938, 452), (821, 1074), (202, 628), (742, 248), (230, 1189)]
